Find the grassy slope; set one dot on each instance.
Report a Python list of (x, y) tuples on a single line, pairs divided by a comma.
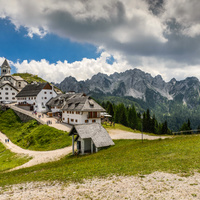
[(9, 160), (30, 135), (29, 77), (124, 128), (127, 157), (119, 127)]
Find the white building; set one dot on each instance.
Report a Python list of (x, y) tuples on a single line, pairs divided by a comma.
[(35, 96), (9, 85), (8, 92), (76, 108)]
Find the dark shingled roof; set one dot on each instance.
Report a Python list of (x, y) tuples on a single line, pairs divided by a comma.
[(84, 103), (62, 98), (95, 131), (31, 90), (75, 102)]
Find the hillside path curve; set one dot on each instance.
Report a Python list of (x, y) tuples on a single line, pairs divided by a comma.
[(38, 157)]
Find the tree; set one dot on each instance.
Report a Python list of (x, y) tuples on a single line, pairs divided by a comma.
[(132, 118), (110, 109), (186, 127)]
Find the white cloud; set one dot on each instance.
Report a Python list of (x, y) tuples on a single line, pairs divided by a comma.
[(126, 29), (99, 22), (186, 13), (81, 70), (86, 68)]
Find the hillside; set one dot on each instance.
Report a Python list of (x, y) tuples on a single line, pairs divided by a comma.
[(29, 77), (30, 135)]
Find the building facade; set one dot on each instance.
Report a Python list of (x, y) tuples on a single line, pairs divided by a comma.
[(76, 108), (35, 96)]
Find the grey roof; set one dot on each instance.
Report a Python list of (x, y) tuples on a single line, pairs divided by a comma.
[(5, 64), (95, 131), (62, 98), (8, 83), (31, 90), (84, 103), (18, 78)]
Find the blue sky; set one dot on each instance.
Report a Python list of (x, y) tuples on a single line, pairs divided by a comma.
[(18, 46), (56, 39)]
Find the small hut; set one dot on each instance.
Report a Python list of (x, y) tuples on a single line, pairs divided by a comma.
[(90, 138)]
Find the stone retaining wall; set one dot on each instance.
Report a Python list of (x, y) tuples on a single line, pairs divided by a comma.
[(24, 115)]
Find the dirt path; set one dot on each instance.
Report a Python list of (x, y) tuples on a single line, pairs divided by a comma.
[(37, 156), (120, 134)]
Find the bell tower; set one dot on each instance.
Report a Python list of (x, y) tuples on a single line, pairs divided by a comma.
[(5, 68)]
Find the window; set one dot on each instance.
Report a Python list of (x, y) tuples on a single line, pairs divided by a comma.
[(86, 121), (72, 112), (6, 97), (13, 93), (93, 121), (76, 120), (6, 93), (63, 119), (6, 88), (50, 92), (0, 97), (72, 120), (0, 93), (77, 112), (67, 111), (10, 88), (42, 103), (13, 98), (1, 88), (63, 111), (45, 97), (45, 92)]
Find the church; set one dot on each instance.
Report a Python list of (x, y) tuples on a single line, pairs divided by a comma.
[(10, 85)]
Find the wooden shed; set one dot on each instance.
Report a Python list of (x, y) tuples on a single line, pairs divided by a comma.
[(90, 138)]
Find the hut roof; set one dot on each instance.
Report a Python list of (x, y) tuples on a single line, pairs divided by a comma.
[(95, 131)]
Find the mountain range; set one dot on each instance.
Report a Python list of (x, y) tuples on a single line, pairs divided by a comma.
[(135, 86)]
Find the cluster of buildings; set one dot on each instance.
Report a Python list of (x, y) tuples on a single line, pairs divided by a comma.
[(10, 85), (76, 109)]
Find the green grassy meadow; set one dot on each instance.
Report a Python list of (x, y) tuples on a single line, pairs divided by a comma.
[(30, 135), (119, 127), (128, 157), (9, 160)]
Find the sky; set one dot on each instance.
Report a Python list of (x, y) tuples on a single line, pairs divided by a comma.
[(55, 39)]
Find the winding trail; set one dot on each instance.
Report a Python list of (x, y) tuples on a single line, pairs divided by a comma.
[(38, 157), (117, 134)]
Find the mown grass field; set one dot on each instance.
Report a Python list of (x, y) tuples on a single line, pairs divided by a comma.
[(108, 127), (30, 135), (128, 157), (9, 160)]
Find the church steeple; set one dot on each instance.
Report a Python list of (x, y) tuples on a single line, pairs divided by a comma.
[(5, 68)]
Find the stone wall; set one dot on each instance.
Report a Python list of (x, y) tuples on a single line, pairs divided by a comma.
[(24, 115)]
